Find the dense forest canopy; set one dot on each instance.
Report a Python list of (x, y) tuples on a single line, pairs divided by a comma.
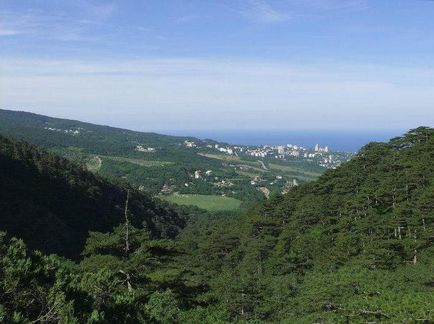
[(357, 245)]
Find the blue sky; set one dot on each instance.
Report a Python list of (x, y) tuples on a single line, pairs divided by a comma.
[(238, 64)]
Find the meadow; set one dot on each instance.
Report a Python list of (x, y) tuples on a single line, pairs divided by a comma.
[(207, 202)]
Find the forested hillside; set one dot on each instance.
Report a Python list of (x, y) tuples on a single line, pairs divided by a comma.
[(355, 246), (52, 203)]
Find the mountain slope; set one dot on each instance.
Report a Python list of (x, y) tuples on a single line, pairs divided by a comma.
[(356, 245), (39, 130), (52, 203)]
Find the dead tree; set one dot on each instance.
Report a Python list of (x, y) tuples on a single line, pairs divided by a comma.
[(127, 241), (127, 225)]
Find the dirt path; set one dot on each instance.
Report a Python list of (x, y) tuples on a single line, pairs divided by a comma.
[(262, 165)]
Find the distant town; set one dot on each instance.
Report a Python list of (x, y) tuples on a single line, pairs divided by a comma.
[(320, 155)]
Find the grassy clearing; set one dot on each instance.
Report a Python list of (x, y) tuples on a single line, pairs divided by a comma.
[(140, 162), (221, 157), (208, 202), (252, 165), (252, 168), (293, 169), (248, 174)]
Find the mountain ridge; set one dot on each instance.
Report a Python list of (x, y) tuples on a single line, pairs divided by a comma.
[(16, 118)]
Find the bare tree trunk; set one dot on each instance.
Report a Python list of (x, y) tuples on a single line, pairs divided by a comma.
[(242, 302), (127, 240), (130, 288), (127, 279), (415, 249), (127, 224)]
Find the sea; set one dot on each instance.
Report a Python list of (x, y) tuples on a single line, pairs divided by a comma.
[(342, 141)]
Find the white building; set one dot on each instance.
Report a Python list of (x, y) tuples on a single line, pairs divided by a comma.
[(141, 148), (189, 144)]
